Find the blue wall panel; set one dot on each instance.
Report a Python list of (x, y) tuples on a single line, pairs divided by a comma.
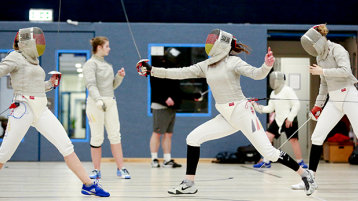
[(136, 126)]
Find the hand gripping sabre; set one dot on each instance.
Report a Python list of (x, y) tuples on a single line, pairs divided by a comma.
[(56, 76), (143, 68)]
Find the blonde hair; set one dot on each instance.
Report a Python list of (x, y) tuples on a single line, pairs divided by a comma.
[(322, 29), (16, 42), (98, 41)]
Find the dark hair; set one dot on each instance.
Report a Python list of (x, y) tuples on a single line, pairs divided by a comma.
[(239, 47), (98, 41)]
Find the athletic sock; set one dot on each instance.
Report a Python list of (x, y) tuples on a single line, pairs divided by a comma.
[(188, 182), (315, 156), (192, 159), (89, 185), (167, 157), (154, 155), (304, 174)]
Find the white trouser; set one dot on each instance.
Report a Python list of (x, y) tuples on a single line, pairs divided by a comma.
[(240, 116), (334, 111), (98, 119), (47, 124)]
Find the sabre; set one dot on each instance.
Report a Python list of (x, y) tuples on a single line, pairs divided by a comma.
[(279, 99), (309, 118), (291, 135), (130, 29)]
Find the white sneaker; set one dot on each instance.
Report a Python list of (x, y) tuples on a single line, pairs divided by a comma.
[(155, 163), (123, 173), (184, 188), (308, 184), (301, 186), (171, 164)]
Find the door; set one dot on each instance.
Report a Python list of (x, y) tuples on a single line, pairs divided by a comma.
[(66, 52), (298, 78)]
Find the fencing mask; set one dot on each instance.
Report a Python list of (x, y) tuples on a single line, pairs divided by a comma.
[(314, 43), (218, 45), (277, 80), (31, 43)]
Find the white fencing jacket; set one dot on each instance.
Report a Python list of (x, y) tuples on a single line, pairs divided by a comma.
[(337, 73), (26, 78), (99, 78), (285, 104), (223, 77)]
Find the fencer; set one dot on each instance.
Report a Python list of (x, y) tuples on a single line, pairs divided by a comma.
[(284, 102), (222, 72), (333, 67), (30, 105), (101, 108)]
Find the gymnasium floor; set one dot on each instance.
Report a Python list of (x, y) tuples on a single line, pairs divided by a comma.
[(44, 181)]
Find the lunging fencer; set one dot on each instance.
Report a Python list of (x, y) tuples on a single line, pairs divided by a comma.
[(30, 105), (222, 72), (333, 67), (284, 102), (101, 108)]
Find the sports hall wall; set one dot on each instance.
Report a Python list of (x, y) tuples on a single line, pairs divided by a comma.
[(136, 126)]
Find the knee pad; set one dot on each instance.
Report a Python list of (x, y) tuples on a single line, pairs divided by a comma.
[(4, 157), (317, 139), (272, 154), (192, 141), (96, 141), (67, 150), (115, 138)]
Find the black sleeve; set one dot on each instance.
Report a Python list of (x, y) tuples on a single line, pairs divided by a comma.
[(162, 89)]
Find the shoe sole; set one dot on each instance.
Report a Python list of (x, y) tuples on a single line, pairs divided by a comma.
[(170, 166), (124, 177), (180, 193), (84, 192), (301, 188), (297, 188)]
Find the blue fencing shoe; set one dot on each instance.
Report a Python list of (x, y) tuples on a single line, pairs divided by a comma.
[(262, 165), (303, 164), (123, 173), (94, 189), (96, 174)]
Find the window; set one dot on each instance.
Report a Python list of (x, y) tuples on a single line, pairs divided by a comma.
[(71, 94), (181, 55)]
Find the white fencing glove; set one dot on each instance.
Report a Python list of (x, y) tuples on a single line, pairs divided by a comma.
[(100, 105), (256, 106)]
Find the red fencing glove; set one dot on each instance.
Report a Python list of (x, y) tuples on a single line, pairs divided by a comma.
[(143, 67), (315, 112), (55, 78)]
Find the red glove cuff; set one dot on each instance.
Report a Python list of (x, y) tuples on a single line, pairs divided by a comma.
[(316, 111)]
